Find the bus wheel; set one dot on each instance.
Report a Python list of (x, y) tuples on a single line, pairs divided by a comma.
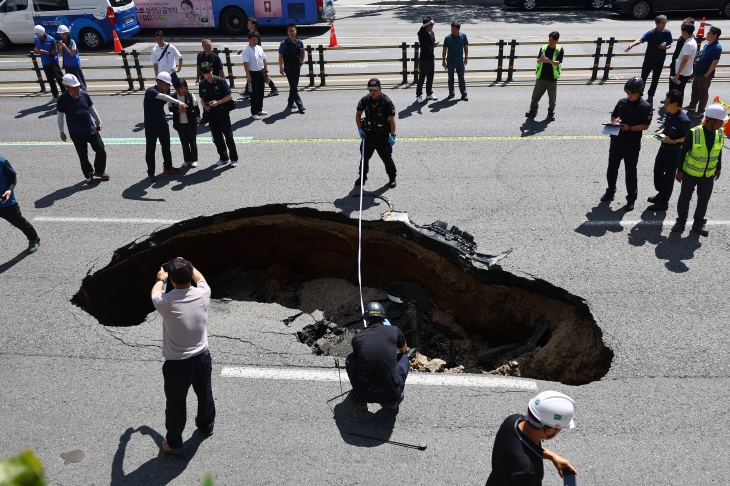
[(234, 21), (4, 42), (91, 39)]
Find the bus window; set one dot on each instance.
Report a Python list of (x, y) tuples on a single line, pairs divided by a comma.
[(119, 3), (50, 5), (295, 11), (15, 5)]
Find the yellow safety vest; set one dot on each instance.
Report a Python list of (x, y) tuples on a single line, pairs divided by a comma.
[(701, 162), (557, 68)]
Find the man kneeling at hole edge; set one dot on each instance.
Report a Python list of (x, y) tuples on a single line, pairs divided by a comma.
[(378, 366), (517, 454)]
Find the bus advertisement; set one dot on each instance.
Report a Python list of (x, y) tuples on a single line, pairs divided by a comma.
[(231, 15)]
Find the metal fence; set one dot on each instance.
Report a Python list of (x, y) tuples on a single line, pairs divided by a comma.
[(498, 65)]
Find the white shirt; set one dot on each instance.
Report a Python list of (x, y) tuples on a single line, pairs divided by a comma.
[(255, 57), (168, 61), (689, 49), (196, 101), (184, 318)]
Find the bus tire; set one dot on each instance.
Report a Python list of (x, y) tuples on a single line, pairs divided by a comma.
[(91, 39), (4, 42), (234, 21)]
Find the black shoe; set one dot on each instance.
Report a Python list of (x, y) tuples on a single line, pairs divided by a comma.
[(608, 196), (658, 207), (392, 183), (678, 227), (152, 178), (206, 432), (451, 96), (701, 229), (652, 199), (464, 97), (629, 206), (531, 114), (301, 108), (274, 92), (551, 116), (90, 178)]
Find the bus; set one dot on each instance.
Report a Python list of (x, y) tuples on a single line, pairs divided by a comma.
[(231, 15)]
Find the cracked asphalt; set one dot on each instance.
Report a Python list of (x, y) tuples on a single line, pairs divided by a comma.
[(69, 383)]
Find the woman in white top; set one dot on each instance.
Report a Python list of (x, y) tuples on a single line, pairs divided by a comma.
[(186, 122)]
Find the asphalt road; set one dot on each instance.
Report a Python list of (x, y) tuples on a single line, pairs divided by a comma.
[(69, 383)]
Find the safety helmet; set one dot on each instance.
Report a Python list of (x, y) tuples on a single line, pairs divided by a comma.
[(71, 80), (374, 309), (716, 111), (164, 77), (553, 409), (634, 85), (39, 30), (62, 29)]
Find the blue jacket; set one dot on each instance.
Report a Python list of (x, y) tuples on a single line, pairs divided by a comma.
[(7, 181), (47, 45)]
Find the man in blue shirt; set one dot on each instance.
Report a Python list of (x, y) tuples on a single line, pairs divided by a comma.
[(45, 45), (155, 124), (457, 46), (76, 106), (657, 40), (291, 59), (704, 72), (9, 209)]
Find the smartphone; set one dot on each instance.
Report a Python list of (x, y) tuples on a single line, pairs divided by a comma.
[(4, 198), (569, 478), (664, 44), (660, 136)]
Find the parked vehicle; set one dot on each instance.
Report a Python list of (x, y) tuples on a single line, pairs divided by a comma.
[(91, 22), (533, 4), (641, 9)]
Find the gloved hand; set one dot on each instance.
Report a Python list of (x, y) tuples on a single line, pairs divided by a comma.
[(392, 140), (362, 133)]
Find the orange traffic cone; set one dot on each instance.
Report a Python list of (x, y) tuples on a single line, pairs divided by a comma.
[(701, 31), (333, 36), (117, 44)]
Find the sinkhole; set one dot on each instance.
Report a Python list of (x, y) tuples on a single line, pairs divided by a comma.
[(458, 313)]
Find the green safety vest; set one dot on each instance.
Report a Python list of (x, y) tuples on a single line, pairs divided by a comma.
[(557, 68), (700, 162)]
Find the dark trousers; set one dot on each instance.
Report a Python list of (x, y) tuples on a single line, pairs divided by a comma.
[(152, 133), (220, 128), (683, 80), (541, 86), (292, 76), (188, 133), (425, 73), (665, 168), (257, 92), (12, 215), (655, 68), (402, 365), (82, 142), (700, 92), (629, 153), (51, 78), (459, 68), (704, 191), (380, 143), (179, 375), (272, 86)]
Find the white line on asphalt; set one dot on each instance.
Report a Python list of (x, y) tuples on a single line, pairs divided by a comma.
[(436, 379), (647, 223), (52, 219)]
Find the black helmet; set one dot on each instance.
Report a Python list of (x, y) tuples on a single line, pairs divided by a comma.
[(634, 85), (374, 310)]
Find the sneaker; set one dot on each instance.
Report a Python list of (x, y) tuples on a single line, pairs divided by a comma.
[(220, 162), (194, 165), (187, 164), (170, 170), (301, 108), (256, 117), (419, 99), (531, 114), (678, 227), (263, 113), (698, 114), (451, 95), (689, 108), (464, 97), (700, 228), (361, 405), (101, 177), (234, 163), (90, 178), (432, 97), (396, 404), (152, 178), (608, 196), (274, 92), (392, 183), (243, 93), (33, 246), (551, 116), (206, 432), (169, 449), (629, 206), (658, 207)]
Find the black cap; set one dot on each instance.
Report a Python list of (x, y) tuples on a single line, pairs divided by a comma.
[(374, 83)]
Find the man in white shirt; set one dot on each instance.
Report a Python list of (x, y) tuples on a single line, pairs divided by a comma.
[(254, 62), (166, 58), (685, 61), (184, 312)]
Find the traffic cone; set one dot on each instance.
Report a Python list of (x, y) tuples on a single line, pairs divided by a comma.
[(333, 36), (701, 31), (117, 44)]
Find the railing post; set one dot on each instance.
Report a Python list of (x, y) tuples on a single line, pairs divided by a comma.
[(37, 69), (138, 68), (500, 59), (229, 67), (310, 64), (609, 55), (416, 61), (320, 51), (513, 44), (127, 70), (597, 59), (404, 57)]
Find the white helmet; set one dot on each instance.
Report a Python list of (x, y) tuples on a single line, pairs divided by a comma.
[(71, 80), (62, 29), (165, 77), (553, 409), (39, 30), (716, 111)]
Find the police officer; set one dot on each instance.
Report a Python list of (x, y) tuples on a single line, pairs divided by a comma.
[(676, 126), (9, 209), (634, 116), (45, 46), (517, 455), (700, 162), (291, 59), (215, 95), (378, 366), (155, 124), (377, 130)]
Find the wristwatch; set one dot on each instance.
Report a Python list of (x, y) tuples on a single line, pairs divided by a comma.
[(159, 280)]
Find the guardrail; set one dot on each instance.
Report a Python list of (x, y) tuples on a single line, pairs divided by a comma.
[(407, 58)]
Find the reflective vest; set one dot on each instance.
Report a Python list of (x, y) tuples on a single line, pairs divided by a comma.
[(557, 68), (700, 162)]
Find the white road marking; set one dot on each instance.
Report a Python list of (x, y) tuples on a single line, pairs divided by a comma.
[(414, 378), (669, 222), (53, 219)]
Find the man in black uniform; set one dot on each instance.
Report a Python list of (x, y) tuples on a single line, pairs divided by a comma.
[(377, 130), (634, 116), (378, 366), (215, 96)]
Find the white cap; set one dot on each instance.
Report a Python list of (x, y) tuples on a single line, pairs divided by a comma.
[(70, 80), (553, 409), (62, 29), (165, 77), (716, 111), (39, 30)]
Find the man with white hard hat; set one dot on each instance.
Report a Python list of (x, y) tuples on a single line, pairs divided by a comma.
[(46, 47), (700, 163), (517, 456)]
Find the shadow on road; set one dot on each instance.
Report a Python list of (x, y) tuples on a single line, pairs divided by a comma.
[(269, 120), (139, 190), (351, 419), (675, 249), (158, 471), (50, 199), (601, 220), (351, 202), (443, 104), (44, 110), (198, 176), (533, 127), (11, 263), (414, 107), (648, 233)]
